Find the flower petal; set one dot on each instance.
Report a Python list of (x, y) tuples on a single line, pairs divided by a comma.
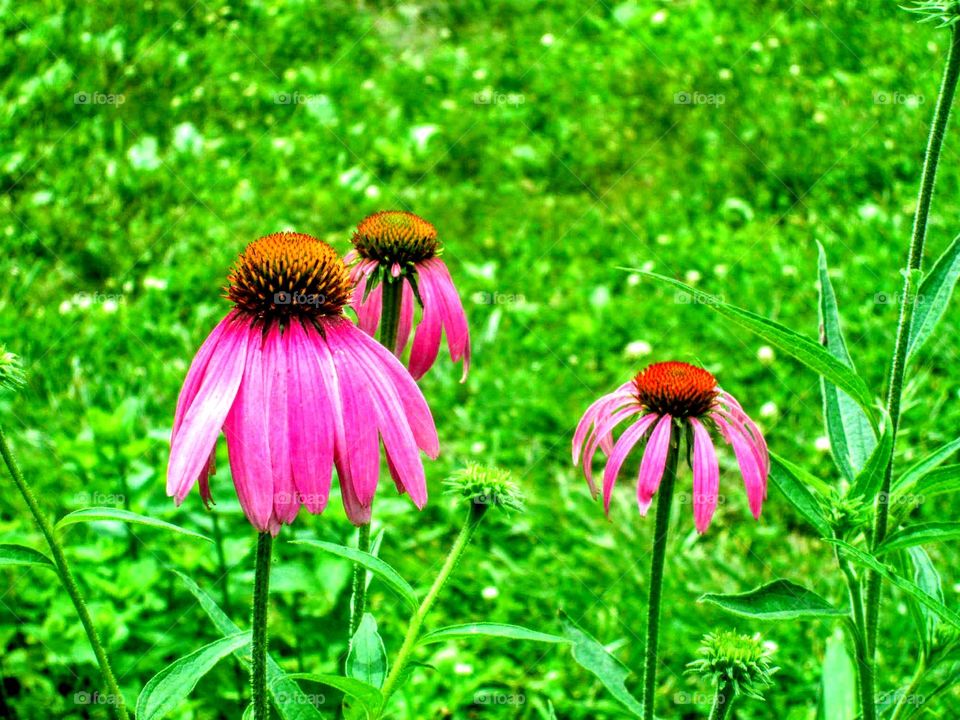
[(248, 438), (653, 463), (276, 378), (203, 416), (426, 339), (748, 458), (706, 477), (602, 430), (631, 436), (453, 317)]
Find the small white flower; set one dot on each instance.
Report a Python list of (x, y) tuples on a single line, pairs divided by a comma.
[(372, 192), (490, 593), (547, 39), (765, 354), (822, 443), (110, 306), (65, 307), (692, 276), (769, 409), (794, 70), (153, 283), (659, 17), (638, 349), (463, 669)]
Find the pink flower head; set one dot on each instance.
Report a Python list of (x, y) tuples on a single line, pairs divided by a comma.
[(394, 244), (296, 389), (665, 399)]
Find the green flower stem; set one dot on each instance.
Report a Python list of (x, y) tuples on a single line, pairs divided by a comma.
[(914, 262), (722, 702), (865, 675), (359, 583), (477, 511), (392, 291), (67, 578), (664, 502), (261, 604)]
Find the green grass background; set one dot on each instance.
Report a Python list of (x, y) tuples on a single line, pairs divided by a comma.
[(119, 222)]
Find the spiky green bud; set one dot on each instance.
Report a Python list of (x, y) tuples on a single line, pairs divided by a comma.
[(945, 13), (12, 376), (486, 485), (740, 661)]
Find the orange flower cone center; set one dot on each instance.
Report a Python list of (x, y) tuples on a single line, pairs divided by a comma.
[(676, 389)]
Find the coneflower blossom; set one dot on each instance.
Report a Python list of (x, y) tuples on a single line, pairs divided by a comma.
[(297, 390), (667, 401), (398, 245)]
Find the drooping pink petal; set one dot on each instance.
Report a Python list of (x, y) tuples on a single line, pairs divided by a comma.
[(414, 404), (391, 419), (203, 416), (405, 325), (602, 430), (631, 436), (360, 448), (276, 378), (706, 477), (367, 306), (653, 463), (198, 367), (248, 438), (453, 318), (748, 458), (311, 417), (426, 339), (599, 409)]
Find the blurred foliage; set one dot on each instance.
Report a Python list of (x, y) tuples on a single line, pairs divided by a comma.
[(143, 144)]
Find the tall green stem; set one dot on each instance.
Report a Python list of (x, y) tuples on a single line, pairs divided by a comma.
[(865, 679), (914, 262), (392, 295), (261, 603), (664, 502), (477, 511), (907, 698), (722, 702), (67, 578)]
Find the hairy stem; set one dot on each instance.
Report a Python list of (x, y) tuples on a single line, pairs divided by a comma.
[(664, 502), (722, 702), (477, 511), (928, 180), (117, 706), (261, 603), (865, 679), (358, 606)]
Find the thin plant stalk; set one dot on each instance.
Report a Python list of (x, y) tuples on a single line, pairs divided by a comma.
[(722, 701), (928, 180), (392, 294), (477, 511), (661, 528), (907, 697), (261, 604), (865, 673), (118, 708)]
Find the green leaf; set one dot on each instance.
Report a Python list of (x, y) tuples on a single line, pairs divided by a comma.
[(919, 534), (927, 578), (368, 696), (908, 586), (797, 346), (287, 695), (839, 682), (11, 554), (916, 471), (108, 514), (870, 479), (592, 656), (943, 480), (790, 481), (169, 688), (367, 659), (511, 632), (852, 439), (933, 297), (778, 600), (374, 564)]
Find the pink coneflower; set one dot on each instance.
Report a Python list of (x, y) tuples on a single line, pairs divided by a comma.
[(399, 247), (297, 389), (670, 400)]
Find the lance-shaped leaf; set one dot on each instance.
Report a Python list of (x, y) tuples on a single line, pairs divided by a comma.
[(920, 468), (369, 697), (778, 600), (11, 554), (801, 348), (486, 629), (933, 297), (592, 656), (839, 681), (870, 478), (919, 534), (169, 688), (789, 480), (927, 578), (108, 514), (891, 576), (367, 659), (852, 439)]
